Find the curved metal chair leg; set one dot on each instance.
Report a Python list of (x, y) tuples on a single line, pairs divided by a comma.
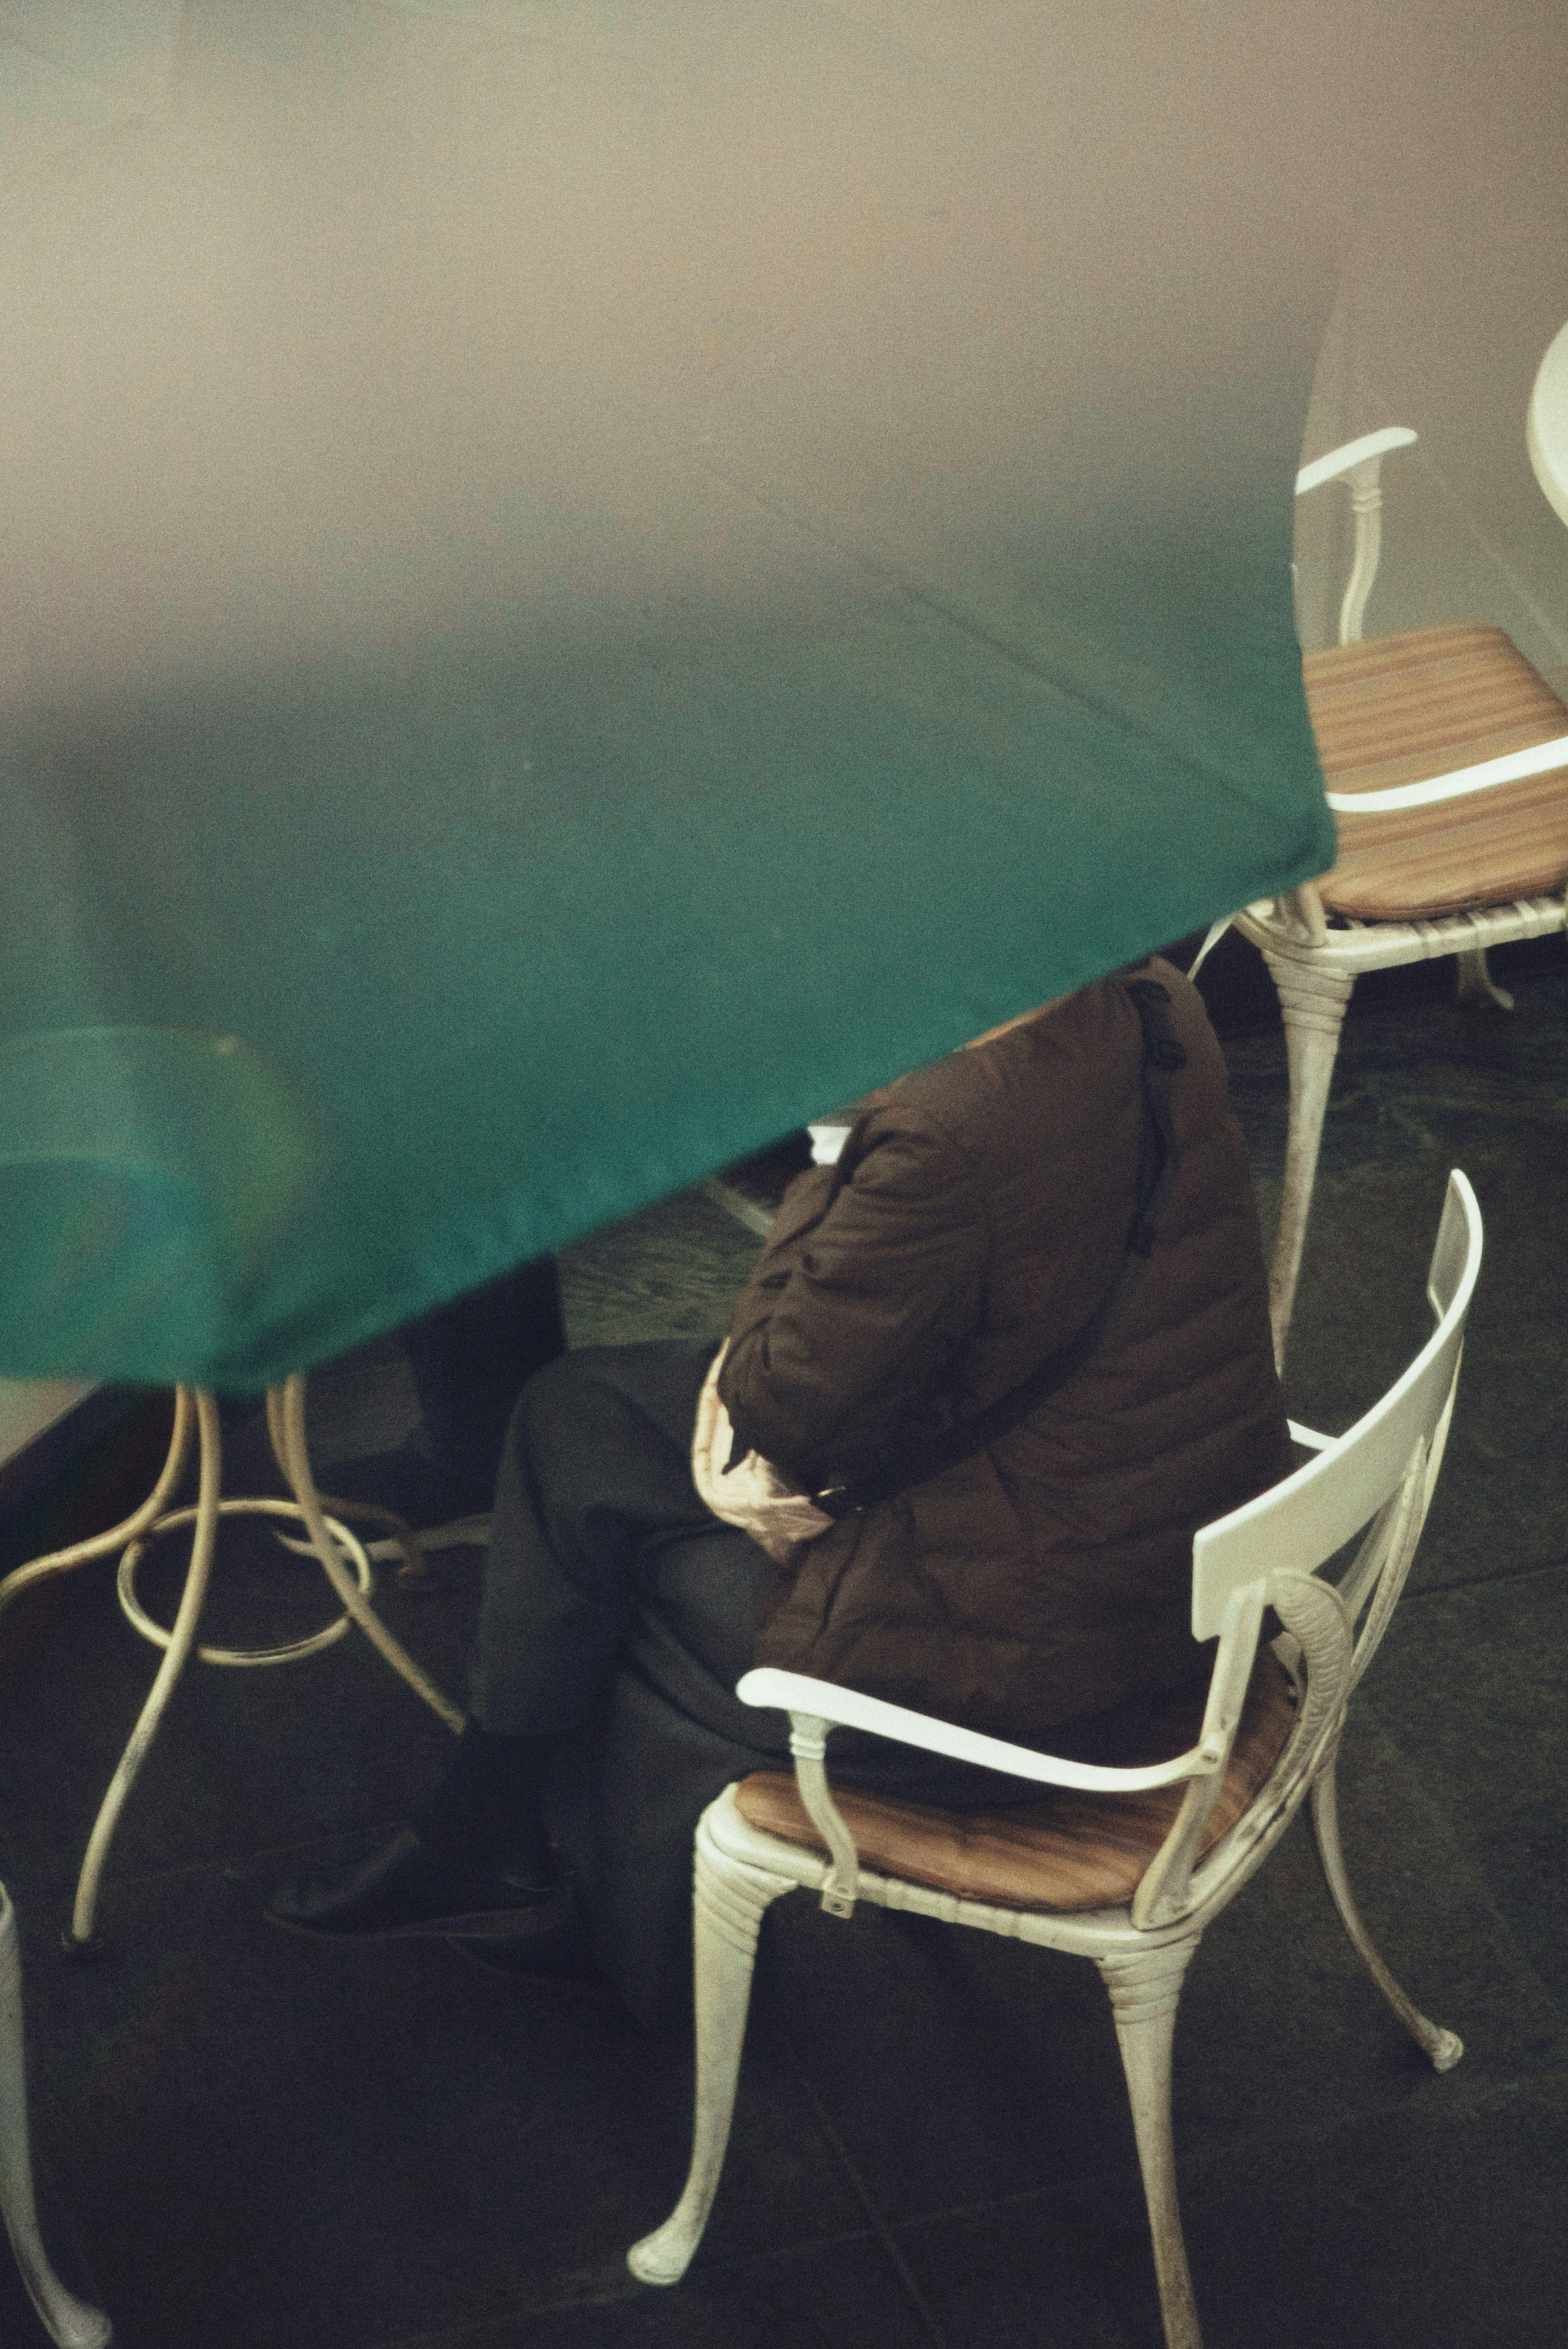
[(70, 2323), (1443, 2047), (1144, 1991), (1313, 1004), (79, 1940), (1473, 982), (729, 1903)]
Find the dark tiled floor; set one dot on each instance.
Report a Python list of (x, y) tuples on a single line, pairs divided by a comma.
[(249, 2141)]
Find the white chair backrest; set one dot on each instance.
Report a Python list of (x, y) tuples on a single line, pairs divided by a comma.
[(1295, 1527)]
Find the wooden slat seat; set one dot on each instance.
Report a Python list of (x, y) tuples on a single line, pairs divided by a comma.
[(1059, 1850), (1401, 709)]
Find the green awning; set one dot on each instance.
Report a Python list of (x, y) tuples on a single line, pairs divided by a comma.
[(591, 580)]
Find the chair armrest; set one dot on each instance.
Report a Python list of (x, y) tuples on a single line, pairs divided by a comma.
[(844, 1708), (1340, 462), (1360, 462)]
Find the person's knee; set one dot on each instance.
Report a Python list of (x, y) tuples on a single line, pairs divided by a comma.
[(578, 1390), (610, 1400), (546, 1400)]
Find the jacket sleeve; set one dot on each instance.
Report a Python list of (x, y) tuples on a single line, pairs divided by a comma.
[(872, 1280)]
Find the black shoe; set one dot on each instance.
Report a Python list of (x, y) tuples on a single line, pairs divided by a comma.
[(404, 1886), (559, 1958)]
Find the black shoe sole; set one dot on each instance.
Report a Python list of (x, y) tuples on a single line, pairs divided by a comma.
[(491, 1925), (566, 1971)]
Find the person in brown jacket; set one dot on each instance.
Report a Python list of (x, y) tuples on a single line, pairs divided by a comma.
[(1070, 1192)]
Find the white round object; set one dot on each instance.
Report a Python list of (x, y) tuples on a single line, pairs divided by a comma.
[(1546, 431)]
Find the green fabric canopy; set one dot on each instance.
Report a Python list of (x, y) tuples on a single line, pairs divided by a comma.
[(591, 580)]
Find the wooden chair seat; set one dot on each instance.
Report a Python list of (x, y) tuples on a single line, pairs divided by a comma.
[(1059, 1850), (1401, 709)]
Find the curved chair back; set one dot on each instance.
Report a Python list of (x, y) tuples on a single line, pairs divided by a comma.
[(1378, 1477), (1297, 1525)]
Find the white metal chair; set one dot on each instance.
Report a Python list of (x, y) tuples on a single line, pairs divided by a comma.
[(1446, 757), (1125, 1867)]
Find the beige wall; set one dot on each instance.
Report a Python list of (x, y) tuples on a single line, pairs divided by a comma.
[(1460, 282), (28, 1406)]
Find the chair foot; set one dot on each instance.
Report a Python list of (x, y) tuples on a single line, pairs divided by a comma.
[(1474, 983), (1446, 2050), (664, 2257), (84, 1950), (730, 1901), (1442, 2048)]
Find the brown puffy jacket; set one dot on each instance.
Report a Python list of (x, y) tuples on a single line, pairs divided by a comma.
[(978, 1213)]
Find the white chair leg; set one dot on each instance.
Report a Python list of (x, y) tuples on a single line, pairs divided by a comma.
[(1313, 1003), (1443, 2047), (79, 1939), (70, 2323), (728, 1906), (1144, 1991), (1474, 983)]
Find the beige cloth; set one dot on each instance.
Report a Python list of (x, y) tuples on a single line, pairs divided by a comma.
[(753, 1495)]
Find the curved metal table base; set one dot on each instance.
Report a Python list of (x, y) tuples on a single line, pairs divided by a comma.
[(70, 2323), (342, 1558)]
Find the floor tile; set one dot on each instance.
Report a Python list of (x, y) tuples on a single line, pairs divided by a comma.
[(268, 2141), (837, 2295), (1407, 2231), (1474, 1684), (671, 1272), (1070, 2268), (1417, 1090)]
